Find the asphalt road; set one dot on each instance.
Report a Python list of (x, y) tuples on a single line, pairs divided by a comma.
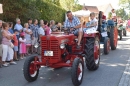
[(109, 73)]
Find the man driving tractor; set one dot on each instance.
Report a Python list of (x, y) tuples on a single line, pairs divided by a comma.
[(75, 26)]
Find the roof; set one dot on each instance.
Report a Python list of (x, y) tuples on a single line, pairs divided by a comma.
[(104, 7), (92, 9)]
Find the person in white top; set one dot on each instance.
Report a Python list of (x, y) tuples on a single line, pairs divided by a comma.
[(113, 15), (93, 21), (41, 30)]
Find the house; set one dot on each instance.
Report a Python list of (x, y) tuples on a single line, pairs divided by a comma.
[(92, 9), (105, 8)]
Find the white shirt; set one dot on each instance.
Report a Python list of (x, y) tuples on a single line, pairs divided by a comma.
[(41, 31), (113, 14), (22, 40), (94, 21)]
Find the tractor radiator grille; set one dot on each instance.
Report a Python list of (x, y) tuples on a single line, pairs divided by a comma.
[(50, 45)]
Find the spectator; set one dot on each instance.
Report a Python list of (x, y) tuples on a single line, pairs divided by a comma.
[(1, 43), (47, 29), (52, 23), (18, 26), (22, 49), (58, 26), (28, 33), (35, 35), (6, 41), (30, 23), (41, 22), (103, 17), (15, 42), (11, 27), (54, 28), (41, 31), (128, 24)]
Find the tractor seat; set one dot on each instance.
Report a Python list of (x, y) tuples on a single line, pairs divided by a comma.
[(110, 23)]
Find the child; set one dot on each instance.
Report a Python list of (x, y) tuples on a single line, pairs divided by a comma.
[(28, 33), (93, 22), (22, 48), (15, 42)]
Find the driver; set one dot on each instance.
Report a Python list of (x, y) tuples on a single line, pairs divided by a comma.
[(76, 29)]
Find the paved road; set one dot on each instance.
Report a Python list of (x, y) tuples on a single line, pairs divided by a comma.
[(109, 73)]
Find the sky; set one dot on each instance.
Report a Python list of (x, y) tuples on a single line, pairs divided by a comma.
[(114, 3)]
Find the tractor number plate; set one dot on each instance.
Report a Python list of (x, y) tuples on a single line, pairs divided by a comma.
[(48, 53)]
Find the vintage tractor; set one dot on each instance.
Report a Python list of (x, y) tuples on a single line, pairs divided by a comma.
[(112, 33), (104, 39), (59, 50)]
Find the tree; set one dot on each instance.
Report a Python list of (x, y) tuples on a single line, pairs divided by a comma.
[(125, 4), (122, 13)]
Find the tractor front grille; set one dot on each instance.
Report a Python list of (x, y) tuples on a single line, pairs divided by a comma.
[(50, 45)]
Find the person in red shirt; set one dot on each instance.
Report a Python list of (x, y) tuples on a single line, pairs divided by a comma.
[(103, 20), (15, 42), (103, 17)]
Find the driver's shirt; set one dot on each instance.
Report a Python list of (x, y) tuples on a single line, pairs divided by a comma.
[(75, 22)]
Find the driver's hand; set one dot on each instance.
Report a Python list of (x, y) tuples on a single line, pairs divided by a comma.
[(71, 29)]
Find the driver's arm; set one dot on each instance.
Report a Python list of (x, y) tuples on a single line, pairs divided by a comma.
[(78, 24)]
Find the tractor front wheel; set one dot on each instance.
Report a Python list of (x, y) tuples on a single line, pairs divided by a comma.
[(106, 45), (92, 53), (77, 71), (30, 70)]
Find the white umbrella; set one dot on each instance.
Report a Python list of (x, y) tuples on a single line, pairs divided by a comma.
[(1, 9), (82, 13)]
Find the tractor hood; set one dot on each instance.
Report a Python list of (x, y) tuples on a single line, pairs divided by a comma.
[(60, 37)]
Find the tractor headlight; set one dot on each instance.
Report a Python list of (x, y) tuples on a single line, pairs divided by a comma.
[(62, 46)]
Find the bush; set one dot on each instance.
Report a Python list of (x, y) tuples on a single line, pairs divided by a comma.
[(25, 9), (52, 12)]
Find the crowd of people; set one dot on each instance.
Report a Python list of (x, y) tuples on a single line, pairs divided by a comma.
[(17, 41)]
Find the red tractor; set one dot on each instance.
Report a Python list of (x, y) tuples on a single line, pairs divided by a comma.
[(59, 50)]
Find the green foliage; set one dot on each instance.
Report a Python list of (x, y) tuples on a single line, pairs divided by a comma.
[(109, 15), (122, 13), (37, 9), (125, 4), (52, 12)]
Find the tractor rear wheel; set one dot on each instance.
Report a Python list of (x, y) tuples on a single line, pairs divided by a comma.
[(113, 37), (106, 45), (124, 32), (30, 70), (120, 34), (77, 71), (92, 53)]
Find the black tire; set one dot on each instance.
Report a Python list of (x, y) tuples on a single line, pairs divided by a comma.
[(26, 70), (124, 32), (113, 46), (106, 44), (89, 53), (120, 34), (74, 72)]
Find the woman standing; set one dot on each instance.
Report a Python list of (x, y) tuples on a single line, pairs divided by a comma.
[(7, 45)]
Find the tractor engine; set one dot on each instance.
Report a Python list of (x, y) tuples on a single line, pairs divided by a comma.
[(55, 48)]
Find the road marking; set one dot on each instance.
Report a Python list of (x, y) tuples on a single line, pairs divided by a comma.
[(125, 79)]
